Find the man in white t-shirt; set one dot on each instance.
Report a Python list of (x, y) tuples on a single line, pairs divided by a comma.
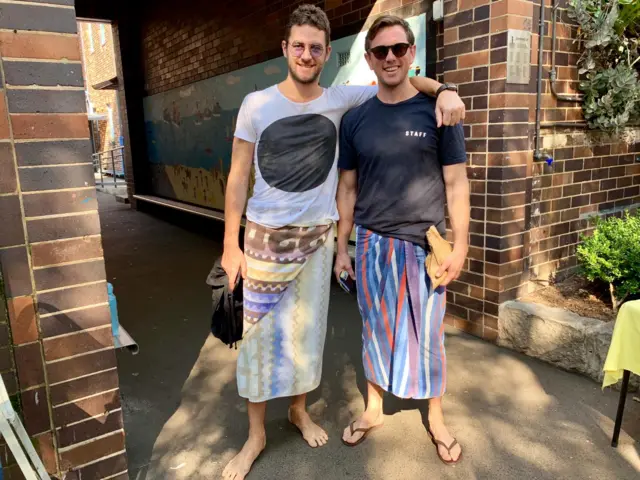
[(289, 133)]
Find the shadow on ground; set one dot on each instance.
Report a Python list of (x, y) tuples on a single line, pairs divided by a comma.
[(515, 417)]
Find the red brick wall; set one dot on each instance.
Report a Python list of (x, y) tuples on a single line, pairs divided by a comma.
[(57, 339), (526, 215), (466, 39), (566, 58), (184, 46), (589, 176)]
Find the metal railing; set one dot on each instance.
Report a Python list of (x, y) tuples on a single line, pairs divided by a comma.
[(109, 163)]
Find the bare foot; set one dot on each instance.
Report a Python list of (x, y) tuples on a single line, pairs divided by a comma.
[(441, 433), (367, 420), (239, 467), (311, 432)]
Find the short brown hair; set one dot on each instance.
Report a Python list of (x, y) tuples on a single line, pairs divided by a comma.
[(307, 14), (387, 21)]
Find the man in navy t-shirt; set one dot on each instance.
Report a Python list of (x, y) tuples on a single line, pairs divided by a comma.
[(397, 168)]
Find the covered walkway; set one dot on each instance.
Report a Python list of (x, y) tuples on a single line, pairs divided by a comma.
[(516, 417)]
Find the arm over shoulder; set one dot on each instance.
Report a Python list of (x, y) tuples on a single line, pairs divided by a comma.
[(354, 95)]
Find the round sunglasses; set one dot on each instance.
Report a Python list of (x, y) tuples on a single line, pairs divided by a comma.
[(381, 51), (315, 50)]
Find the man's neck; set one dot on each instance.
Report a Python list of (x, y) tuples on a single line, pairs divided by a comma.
[(397, 94), (299, 92)]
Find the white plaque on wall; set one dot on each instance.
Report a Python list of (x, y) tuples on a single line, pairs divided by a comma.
[(518, 56)]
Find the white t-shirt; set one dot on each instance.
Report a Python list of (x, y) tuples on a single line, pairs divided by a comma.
[(296, 153)]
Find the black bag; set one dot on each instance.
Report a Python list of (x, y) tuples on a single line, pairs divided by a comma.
[(226, 320)]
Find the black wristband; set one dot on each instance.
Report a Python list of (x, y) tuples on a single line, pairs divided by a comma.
[(446, 86)]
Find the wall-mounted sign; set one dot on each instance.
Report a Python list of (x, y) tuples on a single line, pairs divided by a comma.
[(518, 56)]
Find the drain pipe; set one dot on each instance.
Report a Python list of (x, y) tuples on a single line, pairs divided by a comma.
[(537, 154), (553, 75)]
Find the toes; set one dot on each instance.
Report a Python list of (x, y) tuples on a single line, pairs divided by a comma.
[(319, 439), (458, 453), (445, 454), (352, 438), (454, 455)]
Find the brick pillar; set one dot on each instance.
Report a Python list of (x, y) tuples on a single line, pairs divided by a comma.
[(499, 145), (50, 251), (463, 58)]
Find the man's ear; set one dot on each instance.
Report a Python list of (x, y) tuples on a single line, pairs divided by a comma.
[(329, 49), (367, 57), (412, 52), (284, 48)]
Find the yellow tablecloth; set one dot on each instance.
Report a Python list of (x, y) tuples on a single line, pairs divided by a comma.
[(624, 352)]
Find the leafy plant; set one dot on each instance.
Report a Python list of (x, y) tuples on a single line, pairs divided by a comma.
[(629, 18), (612, 254), (597, 21), (611, 97), (609, 64)]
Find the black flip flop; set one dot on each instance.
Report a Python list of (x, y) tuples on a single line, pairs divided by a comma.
[(441, 443), (365, 431)]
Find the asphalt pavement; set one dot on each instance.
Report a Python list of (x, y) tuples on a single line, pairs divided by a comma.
[(516, 418)]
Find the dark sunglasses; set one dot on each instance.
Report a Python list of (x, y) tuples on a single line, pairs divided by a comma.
[(381, 51)]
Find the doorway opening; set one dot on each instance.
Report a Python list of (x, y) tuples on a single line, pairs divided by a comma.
[(103, 98)]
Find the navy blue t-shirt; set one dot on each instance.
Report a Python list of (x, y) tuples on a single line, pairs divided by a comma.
[(399, 153)]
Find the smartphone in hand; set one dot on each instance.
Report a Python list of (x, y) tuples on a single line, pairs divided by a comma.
[(346, 282)]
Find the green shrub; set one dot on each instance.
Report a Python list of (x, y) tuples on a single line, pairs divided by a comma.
[(611, 97), (612, 254), (610, 61)]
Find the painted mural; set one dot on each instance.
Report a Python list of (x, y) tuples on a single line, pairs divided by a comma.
[(190, 130)]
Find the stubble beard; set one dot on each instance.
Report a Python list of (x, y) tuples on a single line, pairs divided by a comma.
[(313, 79)]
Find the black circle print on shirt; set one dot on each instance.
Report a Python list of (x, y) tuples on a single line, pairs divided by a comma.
[(296, 154)]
